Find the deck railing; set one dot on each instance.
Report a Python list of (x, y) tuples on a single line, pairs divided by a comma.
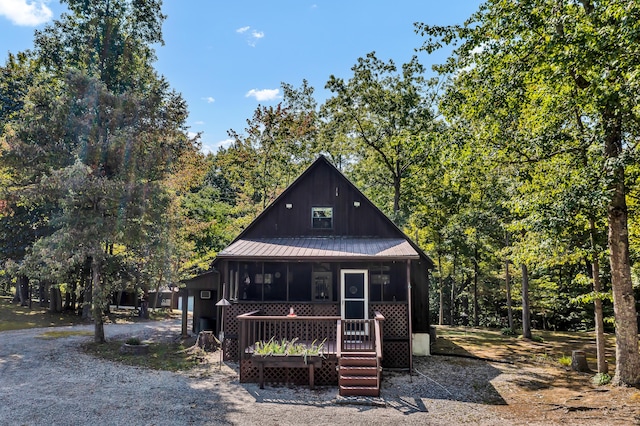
[(255, 327), (339, 335), (360, 335)]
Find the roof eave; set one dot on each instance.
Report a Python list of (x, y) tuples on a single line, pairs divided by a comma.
[(318, 258)]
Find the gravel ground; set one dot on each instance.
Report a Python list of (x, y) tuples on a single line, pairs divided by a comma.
[(53, 382)]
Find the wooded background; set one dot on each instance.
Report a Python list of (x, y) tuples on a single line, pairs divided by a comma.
[(515, 167)]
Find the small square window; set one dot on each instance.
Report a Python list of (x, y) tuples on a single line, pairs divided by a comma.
[(322, 217)]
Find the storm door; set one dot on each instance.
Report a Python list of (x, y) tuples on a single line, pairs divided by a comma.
[(354, 289)]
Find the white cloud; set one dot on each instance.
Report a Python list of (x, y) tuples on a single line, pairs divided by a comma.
[(207, 148), (24, 13), (209, 99), (191, 135), (225, 143), (199, 123), (264, 94), (252, 37)]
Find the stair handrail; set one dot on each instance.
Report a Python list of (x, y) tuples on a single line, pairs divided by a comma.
[(339, 339), (378, 333), (378, 317)]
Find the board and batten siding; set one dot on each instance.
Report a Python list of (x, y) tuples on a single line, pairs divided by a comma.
[(323, 187)]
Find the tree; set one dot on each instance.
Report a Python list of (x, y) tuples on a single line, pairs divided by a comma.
[(387, 114), (100, 133), (277, 144), (583, 57)]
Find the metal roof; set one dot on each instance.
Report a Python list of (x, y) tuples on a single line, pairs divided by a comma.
[(320, 248)]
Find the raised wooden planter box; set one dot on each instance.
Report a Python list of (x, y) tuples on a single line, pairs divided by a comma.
[(287, 361)]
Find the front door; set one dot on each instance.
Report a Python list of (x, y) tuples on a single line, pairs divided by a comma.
[(354, 289)]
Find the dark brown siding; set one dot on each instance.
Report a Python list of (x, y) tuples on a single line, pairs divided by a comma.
[(323, 186), (419, 297), (205, 309)]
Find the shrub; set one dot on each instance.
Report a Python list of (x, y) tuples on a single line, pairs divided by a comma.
[(132, 341), (601, 379), (508, 332), (565, 361)]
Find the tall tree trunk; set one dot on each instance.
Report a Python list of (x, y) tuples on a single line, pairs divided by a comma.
[(624, 304), (22, 291), (397, 182), (74, 289), (507, 278), (509, 303), (67, 301), (55, 299), (597, 302), (441, 288), (452, 308), (476, 305), (98, 301), (526, 317), (87, 295), (42, 294)]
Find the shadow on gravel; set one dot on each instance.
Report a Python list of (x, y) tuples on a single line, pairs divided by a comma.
[(453, 378), (457, 376), (276, 395)]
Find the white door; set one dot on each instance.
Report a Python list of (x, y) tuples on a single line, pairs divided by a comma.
[(354, 289)]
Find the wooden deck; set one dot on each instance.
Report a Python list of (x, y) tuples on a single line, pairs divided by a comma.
[(352, 348)]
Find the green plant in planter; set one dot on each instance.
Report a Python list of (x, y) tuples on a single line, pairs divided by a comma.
[(288, 348)]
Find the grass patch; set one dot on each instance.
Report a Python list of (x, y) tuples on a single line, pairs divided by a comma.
[(161, 356), (546, 349), (565, 361), (62, 334), (16, 317)]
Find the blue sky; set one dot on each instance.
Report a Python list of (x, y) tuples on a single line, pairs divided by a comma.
[(226, 57)]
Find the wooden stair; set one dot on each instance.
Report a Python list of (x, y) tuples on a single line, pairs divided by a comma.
[(359, 374)]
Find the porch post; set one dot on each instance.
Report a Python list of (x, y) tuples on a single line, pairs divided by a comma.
[(185, 307), (410, 316)]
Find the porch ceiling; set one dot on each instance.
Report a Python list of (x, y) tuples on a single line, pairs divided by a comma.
[(313, 248)]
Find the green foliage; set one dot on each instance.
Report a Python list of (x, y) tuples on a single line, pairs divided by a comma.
[(93, 136), (288, 347), (133, 341), (384, 118), (565, 361), (508, 332), (601, 379), (537, 339)]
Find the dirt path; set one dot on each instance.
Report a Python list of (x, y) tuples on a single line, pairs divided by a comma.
[(51, 381)]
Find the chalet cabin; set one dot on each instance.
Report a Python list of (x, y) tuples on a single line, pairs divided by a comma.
[(322, 263)]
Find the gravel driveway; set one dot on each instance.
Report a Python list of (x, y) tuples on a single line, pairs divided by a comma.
[(53, 382)]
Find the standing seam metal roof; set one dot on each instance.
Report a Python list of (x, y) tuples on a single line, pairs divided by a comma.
[(315, 247)]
